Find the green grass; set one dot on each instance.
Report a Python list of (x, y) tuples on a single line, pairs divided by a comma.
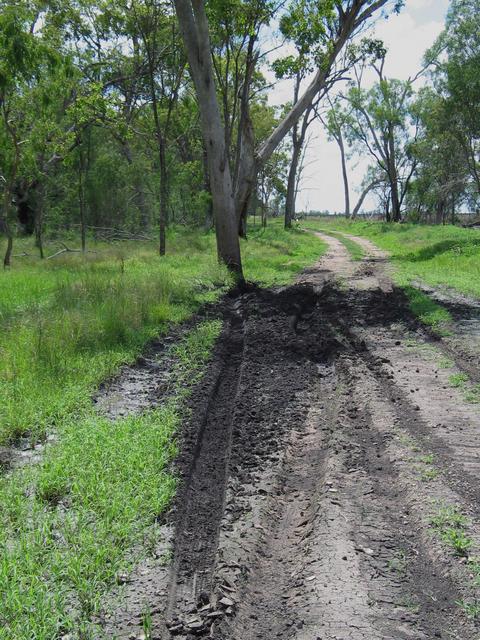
[(471, 609), (451, 525), (437, 254), (428, 311), (463, 382), (73, 522), (275, 256), (67, 523)]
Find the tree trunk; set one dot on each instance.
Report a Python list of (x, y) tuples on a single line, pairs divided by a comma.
[(139, 197), (39, 211), (393, 177), (163, 196), (292, 186), (264, 215), (6, 229), (81, 202), (194, 27), (209, 223), (345, 175), (363, 195), (161, 155), (245, 166)]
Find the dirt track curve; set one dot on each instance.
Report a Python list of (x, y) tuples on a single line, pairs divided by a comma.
[(324, 436)]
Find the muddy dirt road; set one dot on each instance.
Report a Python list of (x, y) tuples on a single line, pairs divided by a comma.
[(327, 458)]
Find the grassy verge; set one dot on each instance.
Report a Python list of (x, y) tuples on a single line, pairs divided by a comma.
[(69, 523), (438, 255), (82, 317)]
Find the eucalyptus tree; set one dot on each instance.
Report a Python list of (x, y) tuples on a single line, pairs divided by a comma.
[(340, 22), (335, 122), (442, 176), (456, 57), (302, 26), (381, 124)]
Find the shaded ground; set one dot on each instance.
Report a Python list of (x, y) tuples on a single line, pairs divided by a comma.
[(323, 438)]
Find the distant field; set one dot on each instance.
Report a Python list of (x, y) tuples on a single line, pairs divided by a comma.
[(438, 255), (68, 521)]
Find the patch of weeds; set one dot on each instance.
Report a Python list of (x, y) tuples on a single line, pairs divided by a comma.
[(166, 558), (470, 391), (425, 468), (451, 525), (458, 380), (408, 602), (398, 563), (473, 394), (428, 311), (430, 474), (147, 624), (408, 441), (471, 609), (427, 459), (445, 363), (474, 566), (458, 540)]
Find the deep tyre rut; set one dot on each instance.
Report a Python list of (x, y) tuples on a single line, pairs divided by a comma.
[(201, 499)]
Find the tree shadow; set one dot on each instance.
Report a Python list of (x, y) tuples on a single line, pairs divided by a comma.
[(430, 252)]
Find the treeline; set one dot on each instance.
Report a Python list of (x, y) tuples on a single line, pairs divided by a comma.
[(99, 122), (120, 118), (423, 144)]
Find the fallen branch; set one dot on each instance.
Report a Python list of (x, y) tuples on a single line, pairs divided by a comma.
[(67, 250)]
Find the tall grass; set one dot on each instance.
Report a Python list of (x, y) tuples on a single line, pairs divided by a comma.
[(54, 352)]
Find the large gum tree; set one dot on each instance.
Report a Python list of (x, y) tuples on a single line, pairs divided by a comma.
[(341, 20)]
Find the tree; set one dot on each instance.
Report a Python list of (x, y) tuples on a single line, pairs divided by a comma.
[(456, 56), (441, 174), (335, 122), (340, 21), (379, 123)]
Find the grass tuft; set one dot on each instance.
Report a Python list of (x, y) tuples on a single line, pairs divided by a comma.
[(451, 526)]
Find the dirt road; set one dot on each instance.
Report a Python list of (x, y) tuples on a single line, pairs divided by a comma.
[(330, 476)]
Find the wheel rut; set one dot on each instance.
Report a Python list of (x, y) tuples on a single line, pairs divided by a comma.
[(301, 514), (202, 496)]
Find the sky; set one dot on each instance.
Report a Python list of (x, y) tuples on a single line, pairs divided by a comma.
[(407, 36)]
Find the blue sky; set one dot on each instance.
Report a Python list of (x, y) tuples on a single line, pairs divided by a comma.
[(407, 37)]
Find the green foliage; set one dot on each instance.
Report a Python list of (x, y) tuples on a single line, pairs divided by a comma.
[(451, 524)]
